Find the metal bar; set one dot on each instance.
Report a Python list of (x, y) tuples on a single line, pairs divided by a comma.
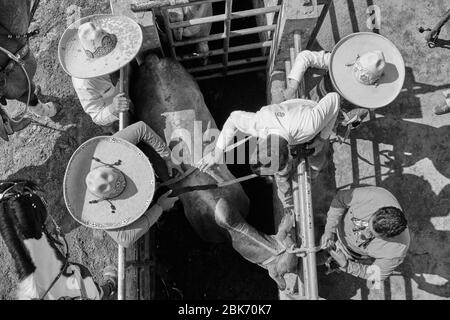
[(152, 4), (313, 291), (168, 32), (220, 36), (297, 46), (230, 64), (223, 17), (123, 122), (226, 31), (245, 47), (230, 73), (319, 23)]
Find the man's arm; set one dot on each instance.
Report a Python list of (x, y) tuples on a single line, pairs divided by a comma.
[(380, 270), (237, 121), (338, 207), (325, 113), (93, 103), (284, 188), (303, 61), (128, 235)]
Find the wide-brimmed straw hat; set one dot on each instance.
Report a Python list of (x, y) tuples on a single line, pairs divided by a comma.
[(98, 45), (109, 183), (367, 69)]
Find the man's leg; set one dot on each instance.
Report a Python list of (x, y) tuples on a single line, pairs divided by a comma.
[(256, 246)]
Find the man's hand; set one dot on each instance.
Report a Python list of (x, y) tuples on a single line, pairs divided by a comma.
[(172, 166), (210, 160), (289, 93), (166, 202), (339, 257), (327, 240), (317, 145), (120, 104)]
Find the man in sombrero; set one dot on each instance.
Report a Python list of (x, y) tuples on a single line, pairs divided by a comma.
[(92, 50), (110, 184), (366, 69)]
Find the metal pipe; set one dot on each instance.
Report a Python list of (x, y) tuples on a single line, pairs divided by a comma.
[(123, 123), (230, 73), (226, 32), (220, 36), (152, 4), (313, 293), (245, 47), (230, 64), (165, 14), (223, 17)]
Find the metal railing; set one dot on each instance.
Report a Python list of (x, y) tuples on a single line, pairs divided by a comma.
[(214, 70), (307, 287)]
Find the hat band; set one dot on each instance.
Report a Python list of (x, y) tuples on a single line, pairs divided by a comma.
[(362, 74), (109, 42)]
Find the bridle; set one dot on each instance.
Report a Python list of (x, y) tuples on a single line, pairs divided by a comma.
[(18, 189), (18, 58)]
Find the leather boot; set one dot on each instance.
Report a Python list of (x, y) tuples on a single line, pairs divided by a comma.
[(255, 246)]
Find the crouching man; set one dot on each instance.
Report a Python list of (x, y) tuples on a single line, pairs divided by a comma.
[(368, 223), (92, 51), (110, 184)]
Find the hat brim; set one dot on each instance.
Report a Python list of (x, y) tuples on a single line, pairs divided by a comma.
[(130, 204), (367, 96), (77, 64)]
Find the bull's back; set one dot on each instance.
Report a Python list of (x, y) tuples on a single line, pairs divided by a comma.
[(163, 86)]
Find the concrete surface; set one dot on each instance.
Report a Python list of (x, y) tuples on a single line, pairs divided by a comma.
[(403, 147)]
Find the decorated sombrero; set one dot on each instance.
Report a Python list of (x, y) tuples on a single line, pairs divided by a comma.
[(109, 183), (98, 45), (367, 69)]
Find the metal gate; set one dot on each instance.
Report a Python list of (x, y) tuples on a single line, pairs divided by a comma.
[(228, 65)]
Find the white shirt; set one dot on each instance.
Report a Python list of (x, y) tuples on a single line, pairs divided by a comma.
[(96, 95), (296, 120), (307, 59)]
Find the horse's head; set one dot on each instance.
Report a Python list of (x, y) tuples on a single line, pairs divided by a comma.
[(22, 202)]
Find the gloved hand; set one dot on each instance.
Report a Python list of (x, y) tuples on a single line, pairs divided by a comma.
[(339, 257), (172, 166), (120, 104), (327, 240), (166, 202)]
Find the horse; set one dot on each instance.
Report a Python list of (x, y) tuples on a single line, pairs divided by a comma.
[(167, 98), (44, 272), (18, 64)]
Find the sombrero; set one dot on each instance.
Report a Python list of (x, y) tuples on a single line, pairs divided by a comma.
[(109, 183), (98, 45), (367, 69)]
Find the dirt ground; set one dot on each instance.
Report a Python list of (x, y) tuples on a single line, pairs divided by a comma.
[(403, 148)]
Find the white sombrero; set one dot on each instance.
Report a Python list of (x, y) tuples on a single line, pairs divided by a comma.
[(99, 45), (109, 183), (367, 69)]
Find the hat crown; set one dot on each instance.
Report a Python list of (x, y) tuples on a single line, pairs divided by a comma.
[(368, 68), (96, 41), (105, 182)]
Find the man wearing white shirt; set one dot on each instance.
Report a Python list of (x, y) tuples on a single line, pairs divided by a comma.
[(101, 99), (93, 56)]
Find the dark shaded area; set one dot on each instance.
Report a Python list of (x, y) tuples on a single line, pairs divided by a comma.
[(190, 268)]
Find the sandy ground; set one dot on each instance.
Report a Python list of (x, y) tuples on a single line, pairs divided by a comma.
[(404, 148)]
